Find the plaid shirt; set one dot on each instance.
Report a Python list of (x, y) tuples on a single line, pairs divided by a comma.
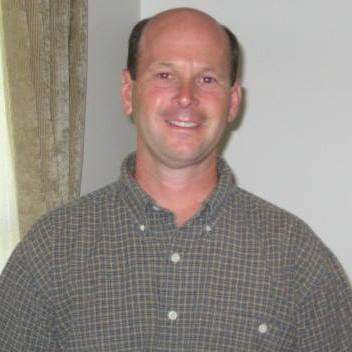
[(111, 272)]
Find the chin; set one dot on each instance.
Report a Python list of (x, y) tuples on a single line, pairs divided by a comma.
[(183, 160)]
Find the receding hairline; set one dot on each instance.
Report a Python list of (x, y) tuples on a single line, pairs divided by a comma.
[(186, 10), (179, 10)]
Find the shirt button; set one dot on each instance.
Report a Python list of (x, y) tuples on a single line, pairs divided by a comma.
[(142, 227), (175, 258), (263, 328), (172, 315), (208, 228)]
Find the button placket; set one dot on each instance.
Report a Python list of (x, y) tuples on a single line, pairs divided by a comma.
[(174, 257)]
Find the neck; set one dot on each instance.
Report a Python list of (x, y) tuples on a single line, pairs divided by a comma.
[(182, 190)]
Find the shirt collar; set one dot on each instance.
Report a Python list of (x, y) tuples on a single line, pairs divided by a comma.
[(140, 201)]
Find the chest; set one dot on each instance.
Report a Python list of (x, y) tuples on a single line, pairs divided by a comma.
[(209, 291)]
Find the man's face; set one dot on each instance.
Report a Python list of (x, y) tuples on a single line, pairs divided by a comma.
[(181, 100)]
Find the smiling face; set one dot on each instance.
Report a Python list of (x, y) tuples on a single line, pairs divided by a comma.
[(181, 100)]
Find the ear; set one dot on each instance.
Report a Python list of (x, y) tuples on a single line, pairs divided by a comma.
[(235, 101), (126, 92)]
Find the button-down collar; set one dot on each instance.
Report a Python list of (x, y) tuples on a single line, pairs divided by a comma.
[(142, 204)]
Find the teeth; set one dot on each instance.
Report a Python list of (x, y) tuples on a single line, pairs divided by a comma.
[(183, 124)]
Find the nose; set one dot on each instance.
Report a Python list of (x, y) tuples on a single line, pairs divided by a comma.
[(186, 94)]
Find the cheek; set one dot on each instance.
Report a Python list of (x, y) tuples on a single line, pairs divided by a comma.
[(155, 98), (217, 103)]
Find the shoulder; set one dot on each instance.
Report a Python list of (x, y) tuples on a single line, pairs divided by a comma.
[(59, 232), (269, 220), (87, 209), (292, 250)]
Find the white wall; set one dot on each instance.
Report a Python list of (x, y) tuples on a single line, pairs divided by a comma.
[(294, 146), (109, 136)]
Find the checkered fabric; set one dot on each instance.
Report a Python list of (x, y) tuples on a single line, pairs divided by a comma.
[(111, 272)]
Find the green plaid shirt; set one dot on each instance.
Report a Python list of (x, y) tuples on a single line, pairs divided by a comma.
[(111, 272)]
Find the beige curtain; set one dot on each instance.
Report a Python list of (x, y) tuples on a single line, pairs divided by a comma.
[(45, 44)]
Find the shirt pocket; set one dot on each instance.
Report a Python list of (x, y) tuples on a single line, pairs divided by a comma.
[(263, 333)]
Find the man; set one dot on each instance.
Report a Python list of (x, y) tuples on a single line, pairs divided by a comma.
[(174, 256)]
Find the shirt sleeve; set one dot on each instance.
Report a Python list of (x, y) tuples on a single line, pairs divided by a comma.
[(324, 316), (26, 320)]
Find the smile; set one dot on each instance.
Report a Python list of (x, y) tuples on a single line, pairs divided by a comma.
[(183, 124)]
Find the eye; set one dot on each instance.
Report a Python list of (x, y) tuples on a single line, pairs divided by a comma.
[(164, 75), (208, 80)]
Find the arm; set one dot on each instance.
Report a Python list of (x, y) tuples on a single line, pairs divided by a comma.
[(26, 318), (324, 315)]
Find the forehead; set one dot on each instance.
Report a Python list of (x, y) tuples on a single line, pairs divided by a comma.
[(184, 35)]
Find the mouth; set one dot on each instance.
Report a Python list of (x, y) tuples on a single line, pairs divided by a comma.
[(182, 124)]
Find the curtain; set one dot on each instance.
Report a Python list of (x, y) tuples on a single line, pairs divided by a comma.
[(45, 57)]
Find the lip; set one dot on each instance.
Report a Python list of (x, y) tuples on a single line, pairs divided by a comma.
[(181, 124), (183, 120)]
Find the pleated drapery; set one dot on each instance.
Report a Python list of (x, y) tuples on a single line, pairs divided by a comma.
[(45, 44)]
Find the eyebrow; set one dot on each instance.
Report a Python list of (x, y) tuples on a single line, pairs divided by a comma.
[(174, 65), (163, 64), (171, 65)]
